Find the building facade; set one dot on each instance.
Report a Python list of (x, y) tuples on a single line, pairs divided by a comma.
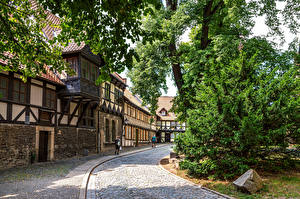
[(166, 125), (111, 111), (138, 128), (59, 115)]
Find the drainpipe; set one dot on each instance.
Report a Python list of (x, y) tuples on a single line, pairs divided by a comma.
[(98, 133)]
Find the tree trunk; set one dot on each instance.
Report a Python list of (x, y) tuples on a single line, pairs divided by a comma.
[(172, 5)]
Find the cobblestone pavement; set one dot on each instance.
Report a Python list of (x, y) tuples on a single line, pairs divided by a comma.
[(48, 180), (139, 177)]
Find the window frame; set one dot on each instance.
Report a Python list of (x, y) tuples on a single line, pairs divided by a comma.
[(3, 88), (107, 91), (107, 135), (18, 91), (51, 99)]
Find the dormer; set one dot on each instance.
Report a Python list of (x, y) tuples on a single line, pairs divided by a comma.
[(163, 112)]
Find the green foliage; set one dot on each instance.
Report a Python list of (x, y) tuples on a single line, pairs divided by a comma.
[(106, 26), (239, 94), (244, 105), (22, 43)]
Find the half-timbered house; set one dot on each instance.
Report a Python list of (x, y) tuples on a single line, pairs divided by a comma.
[(111, 109), (55, 116), (166, 124), (138, 129)]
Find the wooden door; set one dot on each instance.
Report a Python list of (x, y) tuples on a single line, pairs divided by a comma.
[(167, 137), (43, 146)]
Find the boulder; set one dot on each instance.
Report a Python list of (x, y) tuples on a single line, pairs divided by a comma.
[(249, 182)]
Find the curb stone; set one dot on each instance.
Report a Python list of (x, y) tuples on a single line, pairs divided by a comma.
[(194, 184), (86, 178)]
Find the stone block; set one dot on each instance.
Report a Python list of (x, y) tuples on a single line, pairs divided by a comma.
[(249, 182)]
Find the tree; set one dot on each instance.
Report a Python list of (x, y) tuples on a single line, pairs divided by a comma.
[(244, 112), (234, 86), (106, 26), (23, 46)]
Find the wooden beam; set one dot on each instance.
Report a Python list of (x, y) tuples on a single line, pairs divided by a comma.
[(83, 112), (1, 117), (65, 110), (19, 115), (36, 119), (74, 111)]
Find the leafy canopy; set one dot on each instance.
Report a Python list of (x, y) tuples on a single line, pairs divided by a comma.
[(23, 45), (107, 27), (237, 93)]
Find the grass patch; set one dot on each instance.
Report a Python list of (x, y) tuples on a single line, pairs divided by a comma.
[(283, 185)]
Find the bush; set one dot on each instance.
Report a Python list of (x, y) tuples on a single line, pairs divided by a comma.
[(242, 108)]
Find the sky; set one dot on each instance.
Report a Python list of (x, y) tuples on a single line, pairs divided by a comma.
[(259, 29)]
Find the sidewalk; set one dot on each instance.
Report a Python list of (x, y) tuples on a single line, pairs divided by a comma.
[(61, 179)]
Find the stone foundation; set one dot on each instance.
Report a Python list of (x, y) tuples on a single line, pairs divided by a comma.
[(17, 143), (72, 141)]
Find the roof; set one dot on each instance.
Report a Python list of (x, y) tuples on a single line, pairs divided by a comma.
[(135, 100), (165, 102), (124, 80), (51, 76)]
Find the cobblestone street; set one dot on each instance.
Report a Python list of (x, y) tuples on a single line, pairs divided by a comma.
[(138, 176)]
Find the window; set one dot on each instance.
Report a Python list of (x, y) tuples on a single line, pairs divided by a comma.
[(128, 110), (50, 99), (163, 113), (130, 132), (84, 69), (131, 112), (135, 113), (73, 61), (107, 91), (107, 136), (93, 72), (3, 88), (118, 96), (113, 130), (19, 91)]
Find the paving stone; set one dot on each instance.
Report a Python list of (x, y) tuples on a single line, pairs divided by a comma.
[(138, 176)]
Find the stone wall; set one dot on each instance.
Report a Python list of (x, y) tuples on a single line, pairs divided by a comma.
[(108, 146), (17, 142), (72, 141)]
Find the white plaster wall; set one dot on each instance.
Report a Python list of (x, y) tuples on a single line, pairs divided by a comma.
[(64, 119), (3, 109), (36, 96), (58, 105), (72, 107), (16, 109), (74, 120), (36, 113)]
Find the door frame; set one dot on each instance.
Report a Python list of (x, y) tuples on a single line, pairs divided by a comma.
[(50, 153)]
